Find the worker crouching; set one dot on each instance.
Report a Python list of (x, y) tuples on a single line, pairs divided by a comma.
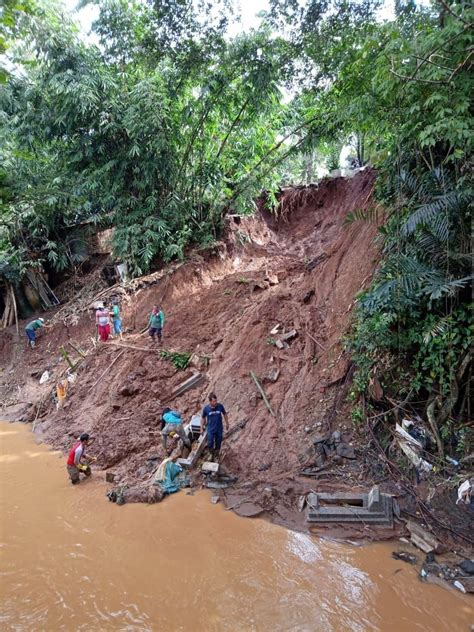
[(173, 425), (77, 462)]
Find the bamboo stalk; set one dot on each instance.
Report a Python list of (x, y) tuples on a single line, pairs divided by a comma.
[(65, 355), (262, 393)]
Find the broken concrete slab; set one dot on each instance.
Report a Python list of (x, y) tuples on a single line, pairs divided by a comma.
[(248, 509), (272, 279), (422, 538), (188, 384), (275, 330), (367, 508), (272, 376), (289, 336), (215, 499), (301, 503), (208, 467)]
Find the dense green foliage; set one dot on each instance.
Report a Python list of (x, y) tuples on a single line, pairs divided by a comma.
[(413, 329), (170, 123)]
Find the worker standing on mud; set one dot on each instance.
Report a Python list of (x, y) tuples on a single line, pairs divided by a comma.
[(78, 462), (31, 329), (212, 415), (102, 320), (117, 321), (173, 424), (156, 324)]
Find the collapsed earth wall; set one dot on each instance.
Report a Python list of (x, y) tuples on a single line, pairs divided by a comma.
[(301, 269)]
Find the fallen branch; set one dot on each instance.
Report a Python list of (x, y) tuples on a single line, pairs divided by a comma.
[(81, 353), (262, 393), (119, 344), (106, 370), (314, 340)]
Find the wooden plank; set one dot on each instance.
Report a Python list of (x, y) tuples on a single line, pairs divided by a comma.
[(422, 538), (195, 454), (188, 384)]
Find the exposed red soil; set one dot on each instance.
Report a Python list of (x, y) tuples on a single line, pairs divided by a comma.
[(216, 309)]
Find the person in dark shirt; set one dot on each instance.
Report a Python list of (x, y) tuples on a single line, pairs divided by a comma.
[(211, 419)]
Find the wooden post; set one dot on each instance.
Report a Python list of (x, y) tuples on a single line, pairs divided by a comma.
[(15, 309)]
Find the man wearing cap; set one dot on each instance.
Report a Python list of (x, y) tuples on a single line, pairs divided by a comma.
[(77, 456), (31, 328)]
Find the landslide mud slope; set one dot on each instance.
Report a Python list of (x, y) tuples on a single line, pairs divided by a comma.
[(222, 308)]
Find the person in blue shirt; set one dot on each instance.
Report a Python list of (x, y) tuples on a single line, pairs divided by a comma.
[(173, 423), (211, 419)]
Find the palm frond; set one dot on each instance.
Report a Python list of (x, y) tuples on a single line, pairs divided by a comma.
[(438, 329)]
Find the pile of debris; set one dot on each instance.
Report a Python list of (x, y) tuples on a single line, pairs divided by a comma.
[(444, 574), (328, 448), (281, 342)]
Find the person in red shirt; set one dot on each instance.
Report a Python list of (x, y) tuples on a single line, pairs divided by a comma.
[(102, 320), (77, 461)]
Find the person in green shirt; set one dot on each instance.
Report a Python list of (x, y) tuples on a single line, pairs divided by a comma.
[(156, 323), (31, 328), (115, 313)]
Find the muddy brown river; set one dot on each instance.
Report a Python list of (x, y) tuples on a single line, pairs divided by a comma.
[(70, 560)]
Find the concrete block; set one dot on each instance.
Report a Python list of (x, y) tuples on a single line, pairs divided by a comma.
[(209, 467), (348, 507), (374, 502)]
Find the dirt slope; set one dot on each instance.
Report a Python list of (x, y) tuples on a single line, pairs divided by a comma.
[(221, 307)]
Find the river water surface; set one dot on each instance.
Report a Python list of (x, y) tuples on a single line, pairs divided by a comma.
[(70, 560)]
